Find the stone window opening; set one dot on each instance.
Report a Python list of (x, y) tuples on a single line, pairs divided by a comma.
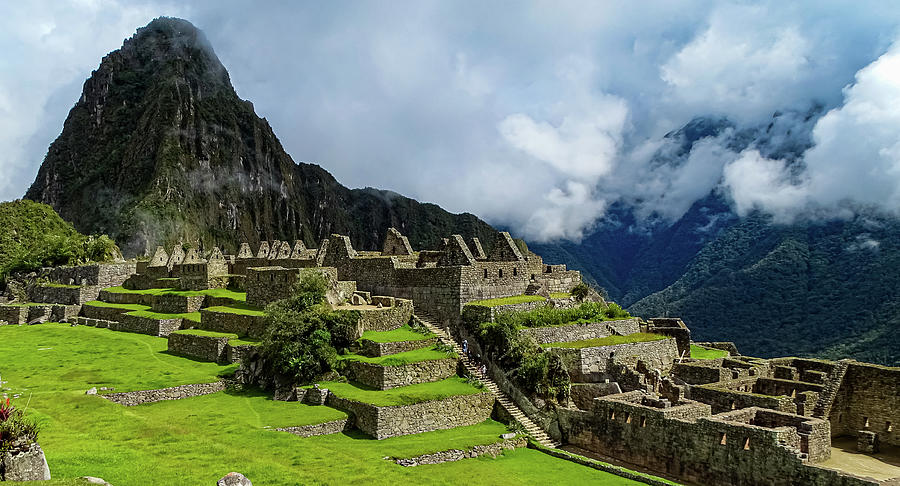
[(485, 273), (643, 421), (888, 426), (627, 418), (515, 272), (747, 444), (500, 273), (612, 415), (723, 438), (733, 405), (840, 418), (865, 422)]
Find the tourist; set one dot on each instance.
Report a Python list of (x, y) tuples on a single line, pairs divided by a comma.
[(466, 347)]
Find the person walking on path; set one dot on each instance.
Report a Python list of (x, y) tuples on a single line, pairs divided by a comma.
[(466, 347)]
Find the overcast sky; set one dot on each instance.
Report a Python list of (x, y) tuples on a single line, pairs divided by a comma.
[(535, 116)]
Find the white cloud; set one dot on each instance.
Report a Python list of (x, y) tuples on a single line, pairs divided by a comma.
[(756, 182)]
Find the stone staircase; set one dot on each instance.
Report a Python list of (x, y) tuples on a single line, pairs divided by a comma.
[(505, 401), (832, 385)]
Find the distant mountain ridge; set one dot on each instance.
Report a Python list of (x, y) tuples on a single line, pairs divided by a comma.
[(159, 149)]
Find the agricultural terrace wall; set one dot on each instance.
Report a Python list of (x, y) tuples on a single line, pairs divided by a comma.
[(242, 353), (147, 325), (448, 413), (684, 441), (387, 377), (373, 349), (591, 364), (64, 312), (51, 294), (13, 314), (385, 318), (868, 393), (205, 348), (578, 332), (105, 313), (240, 324), (100, 274), (130, 399), (177, 304), (125, 298)]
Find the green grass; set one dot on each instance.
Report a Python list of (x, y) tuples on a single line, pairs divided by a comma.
[(516, 299), (242, 309), (199, 440), (560, 295), (190, 316), (638, 337), (231, 294), (701, 352), (404, 333), (134, 307), (406, 357), (25, 304), (244, 341), (404, 395)]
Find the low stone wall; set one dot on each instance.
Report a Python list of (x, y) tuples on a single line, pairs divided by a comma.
[(564, 334), (177, 304), (125, 298), (240, 324), (333, 427), (583, 394), (723, 345), (65, 313), (384, 422), (563, 281), (105, 313), (98, 274), (374, 350), (387, 377), (591, 364), (386, 318), (453, 455), (146, 325), (13, 314), (38, 314), (240, 354), (50, 294), (724, 400), (130, 399), (205, 348), (624, 327)]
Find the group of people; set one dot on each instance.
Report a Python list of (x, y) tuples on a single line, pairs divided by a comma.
[(482, 367)]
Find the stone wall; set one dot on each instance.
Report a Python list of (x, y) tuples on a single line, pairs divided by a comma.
[(146, 325), (13, 314), (64, 313), (687, 443), (387, 377), (569, 333), (240, 324), (722, 399), (373, 349), (105, 313), (25, 464), (177, 304), (265, 285), (868, 393), (701, 372), (130, 399), (560, 281), (452, 455), (98, 274), (125, 298), (385, 318), (205, 348), (384, 422), (51, 294), (591, 364), (723, 345), (240, 354), (326, 428)]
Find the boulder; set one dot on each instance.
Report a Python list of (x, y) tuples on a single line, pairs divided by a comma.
[(93, 480), (234, 479), (25, 465)]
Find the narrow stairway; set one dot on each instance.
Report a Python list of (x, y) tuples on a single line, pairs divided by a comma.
[(832, 385), (505, 401)]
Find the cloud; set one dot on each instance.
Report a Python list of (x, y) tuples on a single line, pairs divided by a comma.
[(536, 118)]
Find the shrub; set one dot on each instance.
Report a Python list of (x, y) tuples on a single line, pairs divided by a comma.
[(552, 316), (580, 291), (15, 428), (615, 311)]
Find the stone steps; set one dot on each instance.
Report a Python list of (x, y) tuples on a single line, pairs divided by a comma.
[(510, 406)]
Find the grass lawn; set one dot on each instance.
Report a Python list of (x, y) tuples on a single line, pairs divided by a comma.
[(190, 316), (244, 309), (404, 333), (638, 337), (700, 352), (404, 395), (516, 299), (239, 296), (199, 440), (134, 307), (406, 357), (560, 295)]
